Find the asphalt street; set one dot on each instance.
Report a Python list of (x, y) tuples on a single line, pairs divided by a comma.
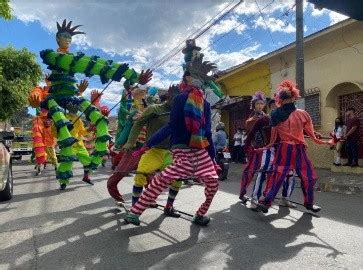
[(81, 228)]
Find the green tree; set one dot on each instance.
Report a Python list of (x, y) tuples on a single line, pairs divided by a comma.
[(21, 117), (19, 73), (5, 9)]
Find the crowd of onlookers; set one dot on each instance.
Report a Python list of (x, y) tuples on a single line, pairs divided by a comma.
[(346, 135)]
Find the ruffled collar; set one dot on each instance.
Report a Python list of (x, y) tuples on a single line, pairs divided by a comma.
[(281, 114)]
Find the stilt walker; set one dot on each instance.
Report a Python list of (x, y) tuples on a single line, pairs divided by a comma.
[(64, 65), (288, 126)]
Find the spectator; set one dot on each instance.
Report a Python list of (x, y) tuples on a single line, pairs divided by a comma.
[(244, 138), (237, 148), (338, 134), (220, 137), (352, 137)]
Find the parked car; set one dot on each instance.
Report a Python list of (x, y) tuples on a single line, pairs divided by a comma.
[(6, 173), (22, 145)]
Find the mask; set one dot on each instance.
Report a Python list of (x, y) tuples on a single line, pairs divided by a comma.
[(197, 83)]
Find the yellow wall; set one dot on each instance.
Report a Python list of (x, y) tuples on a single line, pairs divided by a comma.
[(247, 81), (332, 66)]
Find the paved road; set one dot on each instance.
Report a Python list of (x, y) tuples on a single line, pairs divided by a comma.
[(44, 228)]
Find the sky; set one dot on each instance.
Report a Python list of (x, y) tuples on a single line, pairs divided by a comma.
[(141, 32)]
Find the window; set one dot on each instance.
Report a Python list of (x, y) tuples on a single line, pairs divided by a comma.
[(312, 104)]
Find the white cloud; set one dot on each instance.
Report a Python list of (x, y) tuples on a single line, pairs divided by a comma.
[(333, 16), (336, 17), (249, 7), (275, 25), (227, 25), (318, 12), (147, 30)]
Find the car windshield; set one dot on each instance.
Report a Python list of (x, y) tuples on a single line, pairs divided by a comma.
[(22, 139)]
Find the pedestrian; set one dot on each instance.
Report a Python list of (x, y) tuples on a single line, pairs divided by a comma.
[(288, 126), (243, 143), (338, 135), (220, 137), (352, 137), (237, 147)]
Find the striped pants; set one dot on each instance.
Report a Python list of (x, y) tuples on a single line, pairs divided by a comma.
[(261, 162), (291, 157), (186, 163)]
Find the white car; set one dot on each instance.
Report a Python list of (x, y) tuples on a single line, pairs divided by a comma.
[(6, 173)]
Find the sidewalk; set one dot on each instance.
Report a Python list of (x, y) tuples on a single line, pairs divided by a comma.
[(328, 181)]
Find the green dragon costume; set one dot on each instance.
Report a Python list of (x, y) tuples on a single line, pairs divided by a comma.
[(63, 91)]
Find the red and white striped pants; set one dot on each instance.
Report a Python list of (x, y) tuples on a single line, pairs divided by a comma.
[(186, 163)]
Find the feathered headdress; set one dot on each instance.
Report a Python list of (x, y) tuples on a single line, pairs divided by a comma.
[(286, 89), (259, 95), (66, 28)]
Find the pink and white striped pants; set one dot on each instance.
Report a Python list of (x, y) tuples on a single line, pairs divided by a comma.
[(186, 163)]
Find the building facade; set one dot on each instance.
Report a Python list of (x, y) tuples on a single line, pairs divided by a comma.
[(333, 79)]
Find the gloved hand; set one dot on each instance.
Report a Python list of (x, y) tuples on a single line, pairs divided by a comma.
[(140, 152), (318, 135)]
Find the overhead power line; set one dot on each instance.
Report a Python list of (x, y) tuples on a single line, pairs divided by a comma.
[(200, 34), (176, 48)]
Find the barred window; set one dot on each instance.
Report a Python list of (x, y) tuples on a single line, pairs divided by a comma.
[(312, 105)]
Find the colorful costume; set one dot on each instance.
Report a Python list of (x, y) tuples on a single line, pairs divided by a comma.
[(49, 135), (191, 139), (157, 158), (190, 158), (63, 93), (261, 160), (133, 100), (288, 126), (38, 141), (78, 148)]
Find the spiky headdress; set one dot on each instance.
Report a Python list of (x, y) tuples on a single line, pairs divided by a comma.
[(286, 89), (199, 69), (66, 28)]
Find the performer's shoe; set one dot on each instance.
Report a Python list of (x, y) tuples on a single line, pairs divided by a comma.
[(337, 164), (153, 204), (262, 208), (63, 186), (201, 220), (45, 166), (313, 208), (87, 180), (171, 212), (244, 199), (133, 219), (286, 203), (253, 205)]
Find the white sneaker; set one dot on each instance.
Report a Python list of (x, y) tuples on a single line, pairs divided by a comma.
[(285, 203), (253, 204)]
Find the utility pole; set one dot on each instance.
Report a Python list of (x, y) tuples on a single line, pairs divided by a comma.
[(300, 47)]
